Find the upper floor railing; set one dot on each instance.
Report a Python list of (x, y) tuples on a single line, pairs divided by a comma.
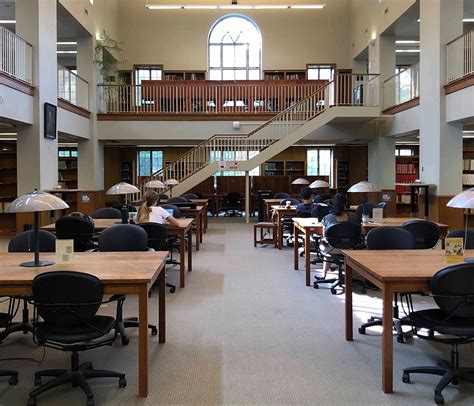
[(73, 88), (16, 56), (402, 87), (460, 57), (223, 97)]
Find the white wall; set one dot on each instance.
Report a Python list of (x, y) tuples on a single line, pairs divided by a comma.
[(15, 105), (460, 106), (72, 124), (403, 123)]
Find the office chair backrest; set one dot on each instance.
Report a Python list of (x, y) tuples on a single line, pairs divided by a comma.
[(176, 211), (450, 284), (426, 233), (107, 213), (162, 196), (79, 229), (233, 198), (320, 211), (67, 287), (157, 235), (343, 235), (292, 201), (462, 234), (190, 196), (123, 237), (390, 238), (24, 242), (177, 199), (281, 195), (368, 209)]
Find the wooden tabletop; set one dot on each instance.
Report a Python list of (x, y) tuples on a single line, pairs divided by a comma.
[(395, 222), (109, 267), (400, 265), (281, 207), (191, 210), (102, 224)]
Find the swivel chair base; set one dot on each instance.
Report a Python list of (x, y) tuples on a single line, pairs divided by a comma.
[(397, 326), (338, 282), (131, 322), (12, 374)]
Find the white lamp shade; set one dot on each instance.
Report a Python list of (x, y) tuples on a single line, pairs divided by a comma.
[(300, 181), (122, 188), (363, 187), (317, 184), (171, 182), (155, 184), (36, 201), (463, 200)]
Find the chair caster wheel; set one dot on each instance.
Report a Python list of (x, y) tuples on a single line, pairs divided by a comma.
[(38, 381), (31, 402), (400, 339), (154, 331), (13, 380), (315, 285), (438, 398), (333, 291), (172, 290), (122, 383), (125, 340), (406, 377), (361, 330), (90, 402)]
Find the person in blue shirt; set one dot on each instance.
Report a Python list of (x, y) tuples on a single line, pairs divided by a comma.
[(307, 204)]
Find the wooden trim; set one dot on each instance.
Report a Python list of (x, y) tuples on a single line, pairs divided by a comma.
[(16, 84), (402, 106), (459, 84), (183, 117), (66, 105)]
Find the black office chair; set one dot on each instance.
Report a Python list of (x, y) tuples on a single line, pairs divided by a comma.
[(176, 211), (468, 237), (322, 198), (5, 324), (79, 229), (125, 237), (287, 221), (452, 323), (10, 373), (343, 235), (232, 204), (426, 233), (158, 240), (177, 199), (107, 213), (320, 211), (190, 196), (389, 238), (66, 305), (368, 209), (162, 196), (23, 242), (281, 195)]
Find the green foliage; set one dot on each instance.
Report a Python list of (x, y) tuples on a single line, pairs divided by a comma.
[(106, 57)]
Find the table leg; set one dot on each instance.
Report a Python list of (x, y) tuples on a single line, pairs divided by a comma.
[(348, 288), (143, 341), (280, 232), (427, 203), (198, 231), (205, 218), (295, 248), (201, 226), (190, 250), (182, 248), (307, 257), (412, 201), (387, 341), (161, 306)]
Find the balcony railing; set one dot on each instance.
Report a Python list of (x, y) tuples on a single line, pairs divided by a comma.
[(16, 56), (73, 88), (227, 97), (402, 87), (460, 57)]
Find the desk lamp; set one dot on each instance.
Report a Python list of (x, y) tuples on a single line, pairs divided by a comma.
[(300, 181), (363, 187), (155, 184), (123, 188), (35, 202), (319, 184), (464, 200), (171, 183)]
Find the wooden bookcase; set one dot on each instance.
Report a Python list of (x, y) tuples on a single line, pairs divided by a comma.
[(285, 74), (8, 188), (342, 175), (67, 168), (184, 75), (406, 171), (274, 168), (284, 168)]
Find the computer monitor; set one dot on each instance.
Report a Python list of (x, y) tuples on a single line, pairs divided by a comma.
[(170, 211)]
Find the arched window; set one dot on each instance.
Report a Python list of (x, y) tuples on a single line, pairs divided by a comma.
[(235, 49)]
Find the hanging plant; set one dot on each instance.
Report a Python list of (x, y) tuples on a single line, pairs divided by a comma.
[(106, 58)]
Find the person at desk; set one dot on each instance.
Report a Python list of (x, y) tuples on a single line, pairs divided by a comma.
[(338, 215), (149, 212), (304, 209)]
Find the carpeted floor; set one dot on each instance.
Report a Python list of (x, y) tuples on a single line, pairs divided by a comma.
[(246, 330)]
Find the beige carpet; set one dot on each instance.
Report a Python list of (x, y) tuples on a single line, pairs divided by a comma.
[(246, 330)]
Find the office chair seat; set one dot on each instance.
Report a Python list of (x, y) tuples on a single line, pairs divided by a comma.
[(459, 326)]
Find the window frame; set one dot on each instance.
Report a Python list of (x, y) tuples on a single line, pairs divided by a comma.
[(150, 164), (320, 66), (318, 167)]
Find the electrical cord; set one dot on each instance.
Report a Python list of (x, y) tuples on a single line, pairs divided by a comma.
[(27, 358)]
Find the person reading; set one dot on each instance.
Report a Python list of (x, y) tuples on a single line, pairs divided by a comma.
[(304, 209), (149, 212)]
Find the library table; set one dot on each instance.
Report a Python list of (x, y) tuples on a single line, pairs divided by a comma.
[(184, 228), (121, 273), (393, 271), (205, 203), (198, 215), (279, 212), (267, 207)]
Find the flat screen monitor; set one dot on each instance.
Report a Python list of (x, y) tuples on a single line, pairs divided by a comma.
[(170, 211)]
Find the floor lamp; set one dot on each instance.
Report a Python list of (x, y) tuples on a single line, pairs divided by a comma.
[(123, 188), (464, 200), (35, 202), (363, 187)]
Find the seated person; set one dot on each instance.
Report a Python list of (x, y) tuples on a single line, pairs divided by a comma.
[(149, 212), (307, 205), (338, 215)]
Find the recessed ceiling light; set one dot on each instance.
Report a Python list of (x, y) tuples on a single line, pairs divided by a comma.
[(308, 6), (164, 7), (406, 41), (66, 52), (67, 42), (271, 7), (401, 51), (200, 7), (236, 7), (7, 21), (468, 20)]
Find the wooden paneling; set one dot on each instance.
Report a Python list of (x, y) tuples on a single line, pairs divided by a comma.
[(16, 84), (89, 207), (66, 105), (459, 84), (228, 184), (441, 213)]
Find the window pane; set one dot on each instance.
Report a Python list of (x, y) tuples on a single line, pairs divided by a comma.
[(157, 161), (312, 162), (313, 74), (240, 74), (155, 74), (74, 154), (215, 74), (254, 57), (228, 75), (228, 56), (254, 74), (214, 56), (325, 74), (144, 163), (325, 161), (241, 56)]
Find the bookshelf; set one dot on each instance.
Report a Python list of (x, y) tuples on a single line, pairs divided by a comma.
[(274, 168), (295, 168), (184, 75), (407, 164), (468, 170), (342, 176), (126, 172), (284, 168), (8, 188), (285, 74), (67, 168)]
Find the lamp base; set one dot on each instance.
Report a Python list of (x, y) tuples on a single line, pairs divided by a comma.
[(32, 264)]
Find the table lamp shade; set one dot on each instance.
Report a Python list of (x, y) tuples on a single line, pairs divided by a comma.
[(122, 188), (155, 184), (300, 181), (463, 200), (171, 182), (318, 184), (36, 201), (363, 187)]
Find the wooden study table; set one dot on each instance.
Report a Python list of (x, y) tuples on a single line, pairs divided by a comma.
[(267, 207), (198, 215), (279, 212), (184, 228), (392, 271), (205, 203), (311, 226), (121, 273)]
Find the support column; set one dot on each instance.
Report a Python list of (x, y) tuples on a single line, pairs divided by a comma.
[(247, 197), (90, 152), (38, 156), (382, 169), (440, 142)]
